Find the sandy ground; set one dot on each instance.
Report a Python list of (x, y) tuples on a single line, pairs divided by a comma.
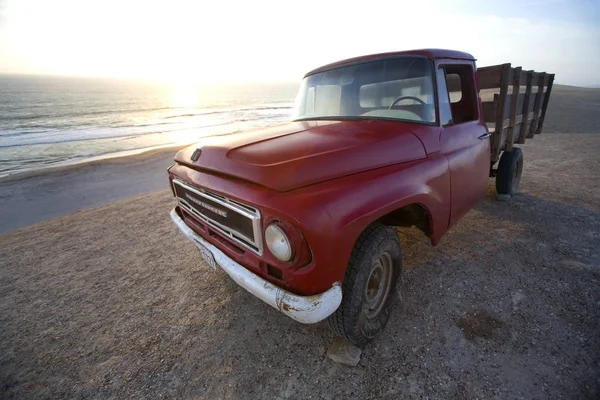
[(113, 302), (574, 110)]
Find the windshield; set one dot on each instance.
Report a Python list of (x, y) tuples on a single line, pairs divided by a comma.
[(399, 89)]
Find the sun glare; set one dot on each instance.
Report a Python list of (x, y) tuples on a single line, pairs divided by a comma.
[(206, 41), (184, 94)]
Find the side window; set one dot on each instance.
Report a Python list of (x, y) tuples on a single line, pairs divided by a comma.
[(445, 111), (463, 101), (454, 87)]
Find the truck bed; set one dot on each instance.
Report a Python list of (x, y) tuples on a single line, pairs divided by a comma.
[(514, 104)]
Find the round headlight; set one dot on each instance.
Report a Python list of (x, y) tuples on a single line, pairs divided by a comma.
[(278, 243)]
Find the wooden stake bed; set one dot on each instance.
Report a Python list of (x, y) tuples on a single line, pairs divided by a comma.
[(513, 103)]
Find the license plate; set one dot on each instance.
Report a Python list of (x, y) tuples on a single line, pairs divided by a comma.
[(207, 256)]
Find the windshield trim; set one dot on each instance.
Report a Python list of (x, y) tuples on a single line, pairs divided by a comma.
[(353, 63), (363, 118)]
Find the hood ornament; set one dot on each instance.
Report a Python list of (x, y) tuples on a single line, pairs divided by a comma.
[(196, 155)]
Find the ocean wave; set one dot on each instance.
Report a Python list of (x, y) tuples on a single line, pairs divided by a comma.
[(229, 110), (46, 121), (75, 114), (50, 126), (197, 114), (71, 114), (7, 134), (92, 134), (26, 137), (77, 135), (21, 158)]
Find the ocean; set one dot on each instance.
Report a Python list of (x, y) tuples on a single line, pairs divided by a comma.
[(47, 121)]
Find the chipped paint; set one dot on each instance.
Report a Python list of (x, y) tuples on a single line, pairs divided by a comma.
[(304, 309)]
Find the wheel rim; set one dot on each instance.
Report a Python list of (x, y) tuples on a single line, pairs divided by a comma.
[(378, 285)]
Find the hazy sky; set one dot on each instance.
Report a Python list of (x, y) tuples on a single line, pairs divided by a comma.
[(182, 41)]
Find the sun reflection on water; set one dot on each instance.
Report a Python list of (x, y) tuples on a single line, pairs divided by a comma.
[(184, 95)]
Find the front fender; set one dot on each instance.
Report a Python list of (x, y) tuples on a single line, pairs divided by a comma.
[(426, 183)]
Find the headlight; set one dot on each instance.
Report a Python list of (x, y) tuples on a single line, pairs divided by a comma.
[(278, 243)]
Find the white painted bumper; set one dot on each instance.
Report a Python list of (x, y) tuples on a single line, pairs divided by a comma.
[(305, 309)]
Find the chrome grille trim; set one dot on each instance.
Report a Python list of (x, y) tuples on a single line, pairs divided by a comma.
[(253, 244)]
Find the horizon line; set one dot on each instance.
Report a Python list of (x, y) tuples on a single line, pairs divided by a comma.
[(199, 83)]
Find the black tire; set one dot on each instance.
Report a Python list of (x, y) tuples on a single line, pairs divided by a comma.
[(510, 168), (365, 310)]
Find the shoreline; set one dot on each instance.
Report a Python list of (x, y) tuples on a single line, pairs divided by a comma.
[(39, 195), (104, 159)]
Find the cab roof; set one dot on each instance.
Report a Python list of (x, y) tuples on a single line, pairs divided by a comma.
[(427, 53)]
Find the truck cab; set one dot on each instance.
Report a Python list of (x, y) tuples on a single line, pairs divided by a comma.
[(303, 214), (430, 88)]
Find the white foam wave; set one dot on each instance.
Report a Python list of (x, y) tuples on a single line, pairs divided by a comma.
[(188, 123)]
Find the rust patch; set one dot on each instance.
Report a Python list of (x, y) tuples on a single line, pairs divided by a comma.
[(286, 307)]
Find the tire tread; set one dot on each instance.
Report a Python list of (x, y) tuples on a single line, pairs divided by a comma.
[(505, 174), (369, 240)]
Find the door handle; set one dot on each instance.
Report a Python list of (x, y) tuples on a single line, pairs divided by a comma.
[(485, 136)]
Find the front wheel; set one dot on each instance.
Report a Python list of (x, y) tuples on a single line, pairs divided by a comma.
[(369, 286)]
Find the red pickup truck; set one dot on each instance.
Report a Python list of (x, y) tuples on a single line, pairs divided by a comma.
[(303, 215)]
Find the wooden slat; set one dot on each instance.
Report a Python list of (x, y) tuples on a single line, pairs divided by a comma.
[(545, 105), (520, 101), (502, 135), (520, 97), (489, 111), (490, 77), (537, 105), (516, 116), (523, 77), (513, 108), (506, 122), (525, 109), (507, 100), (501, 101)]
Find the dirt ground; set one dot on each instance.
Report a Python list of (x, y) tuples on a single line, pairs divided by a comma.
[(114, 303)]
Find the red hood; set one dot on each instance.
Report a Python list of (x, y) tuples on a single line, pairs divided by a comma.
[(297, 154)]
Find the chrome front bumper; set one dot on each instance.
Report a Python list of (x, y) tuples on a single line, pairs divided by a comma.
[(305, 309)]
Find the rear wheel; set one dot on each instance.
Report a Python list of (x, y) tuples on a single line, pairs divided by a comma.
[(369, 286), (510, 168)]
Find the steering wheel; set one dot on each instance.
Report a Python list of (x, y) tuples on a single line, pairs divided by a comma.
[(406, 98)]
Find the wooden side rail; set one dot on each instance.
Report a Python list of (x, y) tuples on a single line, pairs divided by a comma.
[(513, 103)]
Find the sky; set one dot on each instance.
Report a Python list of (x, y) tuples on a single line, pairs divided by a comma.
[(237, 41)]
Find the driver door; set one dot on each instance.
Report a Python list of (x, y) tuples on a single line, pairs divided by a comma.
[(464, 140)]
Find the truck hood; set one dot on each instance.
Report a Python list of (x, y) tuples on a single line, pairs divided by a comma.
[(297, 154)]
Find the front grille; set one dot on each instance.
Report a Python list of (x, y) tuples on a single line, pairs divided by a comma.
[(238, 221), (210, 209)]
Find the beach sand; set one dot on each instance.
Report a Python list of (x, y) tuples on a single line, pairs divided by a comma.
[(113, 302)]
